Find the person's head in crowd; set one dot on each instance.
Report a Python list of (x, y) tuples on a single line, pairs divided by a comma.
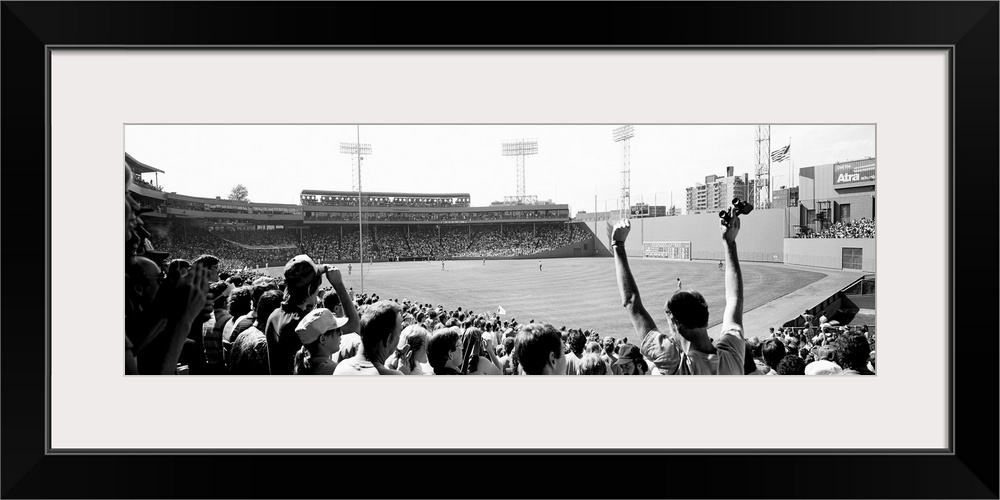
[(773, 350), (803, 352), (688, 314), (792, 346), (236, 280), (577, 342), (853, 352), (240, 301), (472, 349), (444, 352), (219, 292), (592, 364), (319, 332), (224, 276), (593, 348), (177, 268), (609, 345), (755, 346), (381, 325), (771, 331), (211, 263), (791, 365), (451, 323), (303, 278), (416, 337), (268, 302), (823, 367), (631, 361), (539, 350), (259, 287), (145, 279), (508, 345)]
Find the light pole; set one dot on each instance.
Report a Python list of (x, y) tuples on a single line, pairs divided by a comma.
[(520, 148), (623, 134), (357, 148)]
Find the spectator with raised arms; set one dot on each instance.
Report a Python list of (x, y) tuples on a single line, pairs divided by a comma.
[(685, 347)]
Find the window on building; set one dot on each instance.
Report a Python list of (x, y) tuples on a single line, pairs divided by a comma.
[(845, 211), (810, 216), (851, 258)]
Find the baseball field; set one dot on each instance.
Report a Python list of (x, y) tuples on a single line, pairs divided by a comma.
[(575, 292)]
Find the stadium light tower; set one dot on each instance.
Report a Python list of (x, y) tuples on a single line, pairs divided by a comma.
[(520, 148), (622, 135), (762, 179), (357, 148)]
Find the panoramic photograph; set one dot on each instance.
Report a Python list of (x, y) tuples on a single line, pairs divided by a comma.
[(614, 249)]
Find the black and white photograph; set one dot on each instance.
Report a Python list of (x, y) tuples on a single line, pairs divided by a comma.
[(480, 249)]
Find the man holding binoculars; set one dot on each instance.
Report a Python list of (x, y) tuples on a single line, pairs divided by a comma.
[(685, 347)]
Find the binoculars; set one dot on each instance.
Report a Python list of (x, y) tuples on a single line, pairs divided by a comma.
[(739, 207)]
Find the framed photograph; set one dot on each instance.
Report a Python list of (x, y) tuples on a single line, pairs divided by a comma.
[(464, 171)]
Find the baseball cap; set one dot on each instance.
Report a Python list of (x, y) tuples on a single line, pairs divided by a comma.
[(823, 367), (316, 323), (628, 352), (302, 271)]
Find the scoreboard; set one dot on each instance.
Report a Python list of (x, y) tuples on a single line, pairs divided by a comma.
[(675, 250)]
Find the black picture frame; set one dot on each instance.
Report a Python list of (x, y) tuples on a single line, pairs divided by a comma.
[(968, 470)]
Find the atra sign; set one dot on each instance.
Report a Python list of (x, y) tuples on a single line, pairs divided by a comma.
[(853, 172)]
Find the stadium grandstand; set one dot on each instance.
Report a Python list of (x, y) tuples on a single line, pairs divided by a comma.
[(396, 226)]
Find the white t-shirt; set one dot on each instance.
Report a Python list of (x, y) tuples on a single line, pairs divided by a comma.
[(670, 359), (355, 366)]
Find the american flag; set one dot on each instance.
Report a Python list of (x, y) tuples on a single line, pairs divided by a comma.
[(781, 154)]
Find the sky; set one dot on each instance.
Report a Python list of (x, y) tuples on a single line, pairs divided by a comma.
[(574, 164)]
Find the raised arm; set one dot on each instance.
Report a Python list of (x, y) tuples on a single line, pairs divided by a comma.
[(733, 316), (641, 319), (353, 324)]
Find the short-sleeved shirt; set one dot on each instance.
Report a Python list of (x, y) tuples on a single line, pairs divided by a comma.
[(355, 366), (319, 365), (669, 357), (349, 343), (249, 353), (572, 364), (282, 341)]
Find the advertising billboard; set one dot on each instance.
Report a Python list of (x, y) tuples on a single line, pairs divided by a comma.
[(854, 172)]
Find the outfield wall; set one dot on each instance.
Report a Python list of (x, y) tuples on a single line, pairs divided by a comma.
[(761, 235), (828, 252)]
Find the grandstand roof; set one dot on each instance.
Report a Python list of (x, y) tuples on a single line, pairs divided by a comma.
[(372, 193), (139, 167)]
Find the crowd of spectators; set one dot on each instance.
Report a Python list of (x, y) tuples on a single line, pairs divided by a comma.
[(138, 180), (190, 315), (265, 238), (855, 228)]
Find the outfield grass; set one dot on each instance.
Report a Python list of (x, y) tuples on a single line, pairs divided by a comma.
[(577, 292)]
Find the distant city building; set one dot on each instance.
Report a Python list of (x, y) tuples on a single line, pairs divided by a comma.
[(717, 192)]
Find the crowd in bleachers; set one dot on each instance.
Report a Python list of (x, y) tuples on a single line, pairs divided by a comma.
[(267, 238), (203, 312), (855, 228), (139, 181)]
